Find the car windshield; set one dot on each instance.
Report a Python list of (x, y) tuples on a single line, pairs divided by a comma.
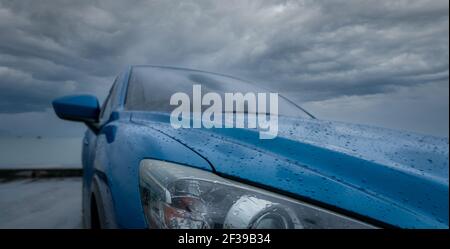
[(150, 89)]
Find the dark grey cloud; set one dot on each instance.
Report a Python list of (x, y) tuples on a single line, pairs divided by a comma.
[(311, 50)]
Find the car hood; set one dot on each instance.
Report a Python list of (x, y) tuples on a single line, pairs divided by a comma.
[(397, 178)]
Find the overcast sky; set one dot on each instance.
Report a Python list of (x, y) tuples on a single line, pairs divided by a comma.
[(384, 63)]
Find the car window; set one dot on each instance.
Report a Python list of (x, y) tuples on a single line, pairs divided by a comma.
[(108, 103), (150, 89)]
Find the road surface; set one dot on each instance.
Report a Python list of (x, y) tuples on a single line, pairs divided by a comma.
[(41, 203)]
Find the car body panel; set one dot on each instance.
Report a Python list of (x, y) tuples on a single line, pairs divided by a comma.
[(119, 148), (373, 175)]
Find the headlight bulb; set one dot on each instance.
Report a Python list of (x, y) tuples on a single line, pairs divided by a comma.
[(252, 212)]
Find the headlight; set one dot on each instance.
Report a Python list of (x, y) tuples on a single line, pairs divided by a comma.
[(176, 196)]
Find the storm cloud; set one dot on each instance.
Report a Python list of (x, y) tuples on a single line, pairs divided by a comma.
[(312, 51)]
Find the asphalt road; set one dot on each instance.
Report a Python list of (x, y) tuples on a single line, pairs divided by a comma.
[(41, 203)]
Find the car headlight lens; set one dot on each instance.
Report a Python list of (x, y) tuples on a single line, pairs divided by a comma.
[(177, 196)]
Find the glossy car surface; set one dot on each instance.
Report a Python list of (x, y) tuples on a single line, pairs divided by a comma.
[(382, 177)]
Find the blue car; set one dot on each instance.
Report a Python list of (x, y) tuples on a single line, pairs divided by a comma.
[(139, 171)]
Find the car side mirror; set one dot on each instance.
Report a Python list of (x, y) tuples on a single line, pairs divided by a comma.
[(81, 108)]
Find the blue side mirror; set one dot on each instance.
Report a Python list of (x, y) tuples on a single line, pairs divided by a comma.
[(84, 108)]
